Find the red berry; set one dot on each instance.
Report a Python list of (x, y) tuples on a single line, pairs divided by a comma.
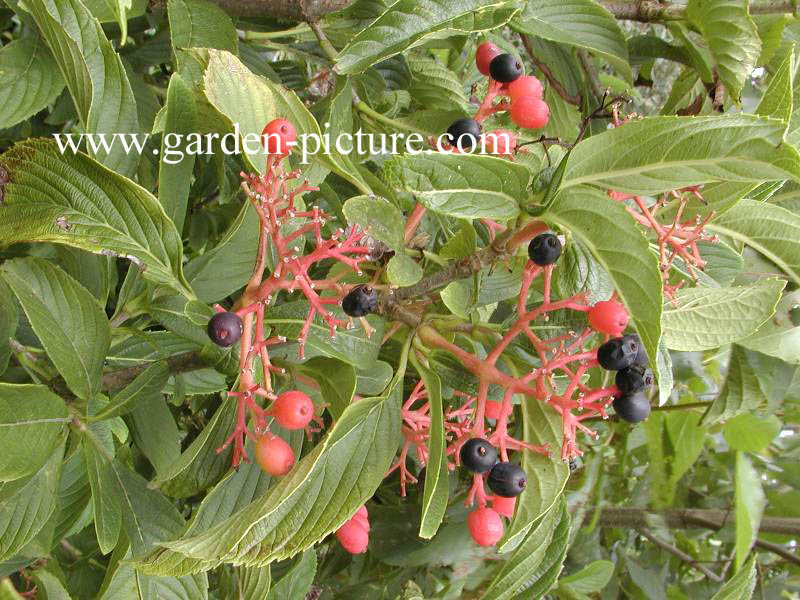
[(608, 316), (278, 136), (274, 455), (504, 506), (530, 112), (527, 85), (293, 410), (494, 409), (500, 141), (485, 526), (484, 55), (354, 534)]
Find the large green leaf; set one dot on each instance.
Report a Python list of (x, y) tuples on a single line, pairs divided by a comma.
[(106, 500), (408, 23), (741, 585), (67, 319), (740, 393), (436, 484), (750, 502), (382, 218), (706, 318), (71, 199), (94, 74), (320, 493), (772, 230), (657, 154), (618, 244), (778, 101), (514, 575), (463, 185), (732, 37), (32, 419), (749, 432), (147, 384), (581, 23), (336, 379), (780, 335), (29, 80), (297, 581)]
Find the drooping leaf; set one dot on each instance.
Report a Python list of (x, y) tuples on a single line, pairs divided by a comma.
[(67, 319), (591, 579), (779, 336), (750, 502), (751, 433), (147, 384), (106, 500), (436, 484), (336, 379), (71, 199), (8, 325), (32, 420), (297, 581), (706, 318), (740, 585), (741, 391)]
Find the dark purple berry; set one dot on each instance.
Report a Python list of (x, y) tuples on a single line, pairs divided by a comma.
[(505, 68), (507, 479), (464, 133), (617, 354), (632, 408), (478, 455), (225, 329), (544, 249), (361, 301), (641, 355), (634, 379)]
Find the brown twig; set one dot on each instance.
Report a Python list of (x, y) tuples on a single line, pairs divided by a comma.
[(646, 11), (548, 74), (679, 554), (591, 74)]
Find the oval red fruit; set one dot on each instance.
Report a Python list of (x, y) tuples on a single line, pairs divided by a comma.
[(274, 455), (527, 85), (484, 55), (485, 526), (530, 112), (278, 136), (353, 536), (504, 506), (293, 410), (608, 316)]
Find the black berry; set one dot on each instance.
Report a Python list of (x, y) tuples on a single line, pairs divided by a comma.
[(505, 68), (507, 479), (634, 379), (544, 249), (464, 133), (478, 455), (225, 329), (632, 408), (361, 301), (641, 355), (617, 354)]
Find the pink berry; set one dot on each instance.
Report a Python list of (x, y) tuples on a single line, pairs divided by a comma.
[(274, 455), (293, 410), (278, 136), (354, 534), (527, 85), (485, 526), (484, 55), (530, 112), (608, 316), (504, 506)]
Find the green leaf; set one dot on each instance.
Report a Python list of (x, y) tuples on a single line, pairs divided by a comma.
[(8, 324), (48, 586), (515, 574), (741, 585), (26, 505), (706, 318), (687, 438), (106, 500), (433, 85), (155, 432), (779, 336), (436, 486), (617, 243), (176, 164), (581, 23), (321, 492), (66, 318), (657, 154), (402, 270), (94, 74), (8, 591), (732, 37), (383, 220), (740, 393), (254, 582), (29, 80), (770, 229), (32, 420), (750, 502), (349, 345), (751, 433), (777, 100), (198, 24), (297, 581), (372, 381), (71, 199), (146, 385), (405, 24), (463, 185), (336, 379), (591, 579), (547, 475)]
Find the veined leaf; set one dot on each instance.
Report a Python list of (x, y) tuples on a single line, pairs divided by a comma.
[(750, 502), (582, 23), (662, 153), (8, 325), (436, 484), (405, 24), (94, 74), (71, 199), (67, 319), (336, 379), (740, 585), (322, 492), (610, 233), (740, 393), (148, 383), (732, 37), (383, 219), (463, 185), (106, 500), (770, 229), (706, 318), (297, 581), (749, 432), (777, 100), (779, 336), (29, 80), (32, 419)]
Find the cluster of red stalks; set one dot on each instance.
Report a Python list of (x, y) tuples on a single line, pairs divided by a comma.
[(277, 208)]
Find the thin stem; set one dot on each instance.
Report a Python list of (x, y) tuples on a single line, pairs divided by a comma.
[(679, 554), (591, 74), (324, 42), (364, 108)]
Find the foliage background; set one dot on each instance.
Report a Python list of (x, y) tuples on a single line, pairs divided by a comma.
[(110, 393)]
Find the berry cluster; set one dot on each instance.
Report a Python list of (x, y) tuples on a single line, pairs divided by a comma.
[(354, 534), (524, 102), (277, 205)]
